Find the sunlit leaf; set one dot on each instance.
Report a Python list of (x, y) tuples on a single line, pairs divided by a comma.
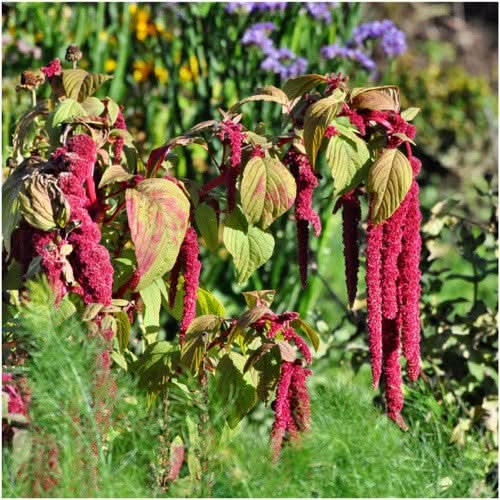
[(297, 87), (206, 220), (318, 116), (158, 215), (249, 246), (383, 98), (267, 190), (389, 180)]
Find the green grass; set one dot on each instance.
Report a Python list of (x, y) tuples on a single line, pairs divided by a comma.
[(352, 451)]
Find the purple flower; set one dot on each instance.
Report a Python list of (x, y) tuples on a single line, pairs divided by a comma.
[(393, 40), (257, 35), (284, 62), (333, 51), (232, 7), (321, 11)]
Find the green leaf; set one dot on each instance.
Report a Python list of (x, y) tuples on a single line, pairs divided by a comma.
[(206, 220), (158, 215), (11, 207), (208, 303), (93, 106), (348, 159), (267, 190), (268, 93), (120, 360), (113, 110), (249, 246), (236, 389), (268, 368), (297, 87), (259, 297), (43, 204), (157, 365), (123, 330), (67, 109), (308, 330), (90, 84), (151, 296), (114, 173), (409, 114), (389, 180), (318, 116), (200, 333), (72, 80)]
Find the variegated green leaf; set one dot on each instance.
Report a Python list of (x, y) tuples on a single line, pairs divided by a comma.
[(318, 116), (158, 215), (389, 180), (267, 190), (249, 246)]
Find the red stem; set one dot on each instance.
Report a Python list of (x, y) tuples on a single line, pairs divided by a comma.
[(89, 182), (216, 181), (115, 213)]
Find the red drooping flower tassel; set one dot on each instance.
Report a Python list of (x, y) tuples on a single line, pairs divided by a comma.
[(351, 216), (299, 397), (174, 280), (409, 284), (304, 213), (392, 372), (282, 412), (374, 298), (119, 141), (232, 133), (392, 246), (192, 269)]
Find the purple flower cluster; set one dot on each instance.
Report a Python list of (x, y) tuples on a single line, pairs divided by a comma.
[(321, 11), (335, 50), (257, 35), (283, 61), (393, 40), (232, 7)]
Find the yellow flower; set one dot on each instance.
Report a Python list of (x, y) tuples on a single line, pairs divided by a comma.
[(160, 27), (132, 8), (194, 66), (109, 65), (185, 74), (141, 72), (103, 36), (162, 74), (142, 30), (142, 16)]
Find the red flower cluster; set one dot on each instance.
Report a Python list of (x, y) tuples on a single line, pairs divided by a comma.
[(292, 408), (90, 261), (52, 69), (188, 259), (119, 141), (393, 290), (306, 181), (232, 134)]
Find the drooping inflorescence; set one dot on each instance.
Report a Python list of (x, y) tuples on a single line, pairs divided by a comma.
[(306, 181), (232, 134), (189, 262)]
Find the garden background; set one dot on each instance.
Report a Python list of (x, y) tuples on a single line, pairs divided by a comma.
[(173, 65)]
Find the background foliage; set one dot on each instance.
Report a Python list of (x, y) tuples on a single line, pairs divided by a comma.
[(172, 68)]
